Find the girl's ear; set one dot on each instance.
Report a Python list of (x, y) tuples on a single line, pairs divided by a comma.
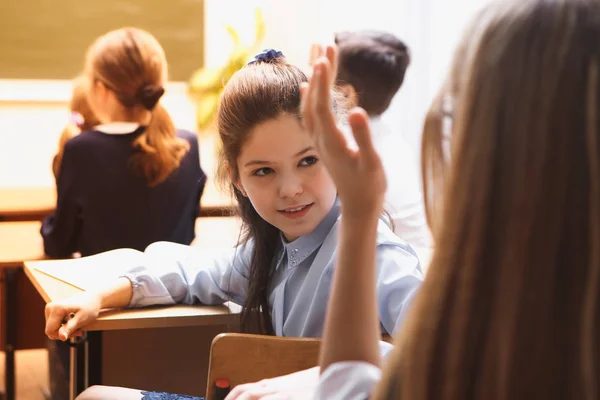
[(236, 182)]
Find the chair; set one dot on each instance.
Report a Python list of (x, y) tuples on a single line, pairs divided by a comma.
[(242, 358)]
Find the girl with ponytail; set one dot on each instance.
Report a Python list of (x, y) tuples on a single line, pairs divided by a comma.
[(132, 178)]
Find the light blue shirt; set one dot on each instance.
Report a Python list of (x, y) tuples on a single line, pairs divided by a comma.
[(300, 286)]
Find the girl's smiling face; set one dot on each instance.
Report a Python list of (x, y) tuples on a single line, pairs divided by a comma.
[(282, 176)]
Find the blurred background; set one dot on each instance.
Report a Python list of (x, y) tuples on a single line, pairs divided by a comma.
[(43, 42)]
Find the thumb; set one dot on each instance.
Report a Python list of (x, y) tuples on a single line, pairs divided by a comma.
[(67, 330)]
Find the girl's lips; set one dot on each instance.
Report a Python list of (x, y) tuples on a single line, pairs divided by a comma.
[(296, 212)]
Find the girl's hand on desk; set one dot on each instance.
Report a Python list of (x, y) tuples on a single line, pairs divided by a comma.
[(83, 308)]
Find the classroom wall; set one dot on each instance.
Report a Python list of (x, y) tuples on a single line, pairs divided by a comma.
[(59, 32), (431, 28), (32, 116), (32, 113)]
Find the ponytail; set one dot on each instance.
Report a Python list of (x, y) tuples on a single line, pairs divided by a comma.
[(160, 150), (132, 64)]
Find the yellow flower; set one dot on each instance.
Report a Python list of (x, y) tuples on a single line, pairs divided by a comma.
[(206, 84)]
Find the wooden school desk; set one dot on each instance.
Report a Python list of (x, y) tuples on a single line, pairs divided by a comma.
[(211, 232), (26, 204), (19, 241), (34, 204)]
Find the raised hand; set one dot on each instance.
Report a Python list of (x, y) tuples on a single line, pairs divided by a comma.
[(357, 172)]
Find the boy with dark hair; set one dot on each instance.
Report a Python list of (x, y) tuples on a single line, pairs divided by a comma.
[(371, 70)]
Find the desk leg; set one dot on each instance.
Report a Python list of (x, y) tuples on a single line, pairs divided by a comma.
[(10, 325), (78, 369)]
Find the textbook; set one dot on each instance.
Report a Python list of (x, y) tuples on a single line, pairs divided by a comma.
[(87, 273)]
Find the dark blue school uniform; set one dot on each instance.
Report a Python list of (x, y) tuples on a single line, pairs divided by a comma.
[(102, 205)]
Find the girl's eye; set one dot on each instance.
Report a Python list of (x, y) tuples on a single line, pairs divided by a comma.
[(262, 171), (306, 161)]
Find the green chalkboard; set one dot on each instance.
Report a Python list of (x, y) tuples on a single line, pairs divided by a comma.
[(47, 39)]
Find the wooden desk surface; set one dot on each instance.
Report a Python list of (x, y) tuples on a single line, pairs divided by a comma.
[(20, 241), (52, 289), (211, 232), (27, 203)]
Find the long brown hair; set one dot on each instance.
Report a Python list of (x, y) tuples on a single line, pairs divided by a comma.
[(257, 93), (509, 308), (436, 141), (82, 119), (261, 91), (131, 63)]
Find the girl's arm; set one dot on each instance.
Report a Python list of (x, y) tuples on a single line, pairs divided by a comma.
[(352, 324), (173, 273), (64, 319), (169, 273)]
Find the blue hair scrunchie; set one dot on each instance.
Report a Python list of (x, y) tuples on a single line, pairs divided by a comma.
[(266, 56)]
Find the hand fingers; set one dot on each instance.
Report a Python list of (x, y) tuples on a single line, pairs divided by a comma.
[(305, 105), (359, 122), (331, 55), (54, 322), (324, 121), (238, 390), (309, 100), (67, 330), (233, 394), (316, 51), (249, 391), (256, 393)]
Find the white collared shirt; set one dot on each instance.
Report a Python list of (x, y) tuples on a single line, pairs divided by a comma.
[(117, 128)]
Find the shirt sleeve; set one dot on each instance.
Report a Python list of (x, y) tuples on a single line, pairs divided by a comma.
[(60, 231), (398, 279), (348, 380), (173, 273)]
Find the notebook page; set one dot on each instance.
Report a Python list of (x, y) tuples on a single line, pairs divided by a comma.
[(91, 272)]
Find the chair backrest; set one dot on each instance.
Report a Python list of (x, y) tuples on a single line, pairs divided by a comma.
[(242, 358)]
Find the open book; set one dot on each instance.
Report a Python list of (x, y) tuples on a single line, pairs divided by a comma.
[(99, 270)]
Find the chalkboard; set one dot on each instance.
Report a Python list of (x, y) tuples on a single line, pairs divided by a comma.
[(47, 39)]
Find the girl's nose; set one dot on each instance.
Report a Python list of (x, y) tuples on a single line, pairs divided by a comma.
[(290, 186)]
